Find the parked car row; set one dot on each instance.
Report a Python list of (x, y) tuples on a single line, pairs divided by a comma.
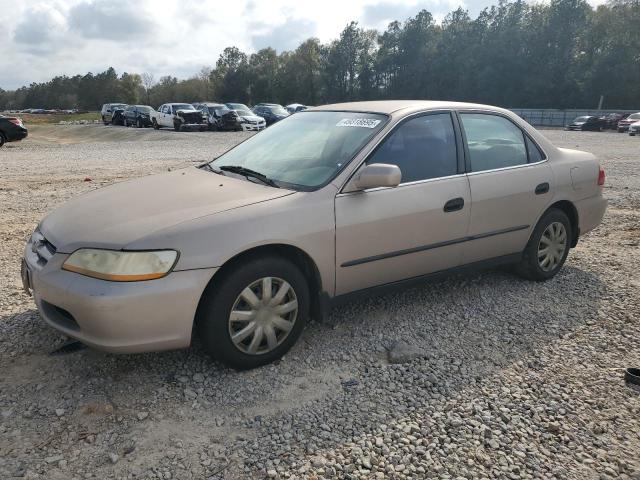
[(200, 116), (611, 121)]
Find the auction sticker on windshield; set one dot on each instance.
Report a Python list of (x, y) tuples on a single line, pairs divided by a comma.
[(358, 122)]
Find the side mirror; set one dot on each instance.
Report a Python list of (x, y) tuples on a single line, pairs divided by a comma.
[(375, 175)]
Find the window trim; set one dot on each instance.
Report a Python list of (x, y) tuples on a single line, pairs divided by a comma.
[(467, 156), (459, 152)]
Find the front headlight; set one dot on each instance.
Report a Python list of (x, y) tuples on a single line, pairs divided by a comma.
[(118, 266)]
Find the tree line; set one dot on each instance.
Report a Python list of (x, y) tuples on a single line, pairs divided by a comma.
[(561, 54)]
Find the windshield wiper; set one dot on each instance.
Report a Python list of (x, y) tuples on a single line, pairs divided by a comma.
[(247, 172), (211, 168)]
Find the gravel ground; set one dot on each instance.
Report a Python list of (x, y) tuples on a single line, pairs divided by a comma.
[(482, 376)]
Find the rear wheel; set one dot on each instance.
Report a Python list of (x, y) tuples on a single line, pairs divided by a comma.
[(547, 248), (255, 313)]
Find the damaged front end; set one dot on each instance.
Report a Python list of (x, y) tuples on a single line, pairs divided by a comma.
[(190, 120)]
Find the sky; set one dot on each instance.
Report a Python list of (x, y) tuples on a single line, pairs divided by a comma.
[(45, 38)]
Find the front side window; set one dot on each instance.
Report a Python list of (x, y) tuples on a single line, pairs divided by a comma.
[(493, 142), (423, 148), (305, 151)]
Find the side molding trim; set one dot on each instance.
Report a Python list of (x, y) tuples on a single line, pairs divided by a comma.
[(397, 253)]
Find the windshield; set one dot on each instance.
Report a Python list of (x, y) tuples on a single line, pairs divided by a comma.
[(182, 106), (278, 110), (219, 110), (306, 150), (144, 109), (581, 119), (634, 116)]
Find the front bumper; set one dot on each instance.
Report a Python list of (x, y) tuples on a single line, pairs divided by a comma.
[(194, 126), (253, 127), (119, 317)]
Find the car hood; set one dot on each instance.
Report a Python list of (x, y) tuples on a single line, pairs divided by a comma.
[(115, 216)]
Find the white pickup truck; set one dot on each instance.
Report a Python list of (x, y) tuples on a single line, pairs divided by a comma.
[(180, 116)]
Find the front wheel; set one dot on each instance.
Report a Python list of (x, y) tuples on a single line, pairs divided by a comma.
[(3, 140), (104, 120), (547, 248), (177, 126), (139, 123), (255, 313), (155, 124)]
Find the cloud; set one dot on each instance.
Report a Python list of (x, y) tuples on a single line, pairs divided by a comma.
[(110, 19), (283, 37), (40, 29)]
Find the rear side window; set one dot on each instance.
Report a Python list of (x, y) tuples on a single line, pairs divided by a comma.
[(423, 148), (535, 155), (493, 142)]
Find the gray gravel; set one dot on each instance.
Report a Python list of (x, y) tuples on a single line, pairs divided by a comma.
[(482, 376)]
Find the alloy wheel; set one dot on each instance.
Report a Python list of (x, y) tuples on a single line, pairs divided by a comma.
[(263, 315), (552, 246)]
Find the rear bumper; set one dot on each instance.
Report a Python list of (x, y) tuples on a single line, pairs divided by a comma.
[(118, 317), (590, 212)]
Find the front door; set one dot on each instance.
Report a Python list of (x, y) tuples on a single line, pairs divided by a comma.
[(389, 234)]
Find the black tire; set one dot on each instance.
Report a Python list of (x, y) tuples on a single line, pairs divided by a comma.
[(155, 124), (177, 126), (125, 123), (529, 267), (621, 130), (138, 123), (220, 297), (3, 139), (104, 120)]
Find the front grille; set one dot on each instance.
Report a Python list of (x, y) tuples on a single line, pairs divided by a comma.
[(43, 249), (195, 117)]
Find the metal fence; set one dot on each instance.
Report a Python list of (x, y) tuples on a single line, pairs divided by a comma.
[(541, 117)]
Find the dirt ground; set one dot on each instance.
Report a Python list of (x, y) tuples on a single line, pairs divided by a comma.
[(515, 379)]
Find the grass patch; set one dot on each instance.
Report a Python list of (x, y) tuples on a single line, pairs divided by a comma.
[(41, 119)]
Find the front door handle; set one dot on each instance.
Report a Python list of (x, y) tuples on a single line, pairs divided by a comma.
[(542, 188), (454, 205)]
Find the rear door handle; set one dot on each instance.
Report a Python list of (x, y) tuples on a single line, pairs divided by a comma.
[(542, 188), (454, 205)]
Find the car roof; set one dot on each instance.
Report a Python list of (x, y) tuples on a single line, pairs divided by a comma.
[(392, 106)]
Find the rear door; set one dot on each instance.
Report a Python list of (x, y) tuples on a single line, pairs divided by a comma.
[(385, 235), (511, 185)]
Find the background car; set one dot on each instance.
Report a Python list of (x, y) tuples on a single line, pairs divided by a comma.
[(219, 116), (271, 112), (107, 111), (634, 129), (610, 120), (180, 116), (586, 122), (623, 125), (117, 115), (248, 120), (11, 130), (295, 107), (138, 115)]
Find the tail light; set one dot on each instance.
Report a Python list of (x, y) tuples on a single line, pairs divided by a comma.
[(601, 176), (15, 121)]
